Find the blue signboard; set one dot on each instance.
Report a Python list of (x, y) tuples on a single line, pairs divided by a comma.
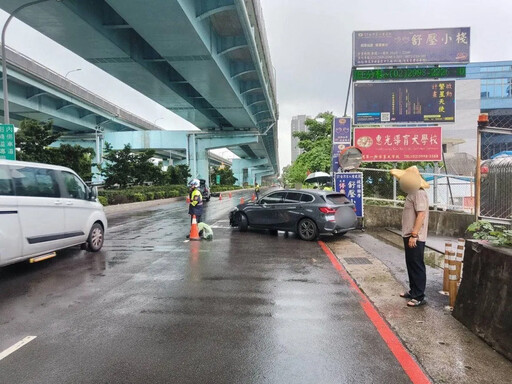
[(404, 102), (411, 47), (341, 130), (335, 153), (351, 184)]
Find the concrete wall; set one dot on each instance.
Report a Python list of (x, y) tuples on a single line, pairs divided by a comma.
[(452, 224), (484, 301)]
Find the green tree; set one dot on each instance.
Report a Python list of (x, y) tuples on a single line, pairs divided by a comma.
[(33, 140), (118, 166), (226, 175), (317, 146), (178, 174), (144, 170), (75, 157), (319, 128), (124, 167)]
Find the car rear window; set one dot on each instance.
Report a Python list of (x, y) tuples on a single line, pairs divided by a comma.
[(337, 198)]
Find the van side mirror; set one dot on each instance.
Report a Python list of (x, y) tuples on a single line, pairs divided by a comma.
[(93, 193)]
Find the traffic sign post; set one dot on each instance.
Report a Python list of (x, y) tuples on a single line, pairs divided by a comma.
[(7, 142)]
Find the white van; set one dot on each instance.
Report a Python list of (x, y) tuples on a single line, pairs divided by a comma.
[(44, 208)]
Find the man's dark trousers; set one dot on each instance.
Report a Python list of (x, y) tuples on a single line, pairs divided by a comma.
[(414, 259)]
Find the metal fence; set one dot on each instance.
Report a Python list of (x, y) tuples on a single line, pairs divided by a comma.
[(446, 192), (494, 181)]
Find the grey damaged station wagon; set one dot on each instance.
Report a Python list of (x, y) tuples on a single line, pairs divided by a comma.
[(308, 213)]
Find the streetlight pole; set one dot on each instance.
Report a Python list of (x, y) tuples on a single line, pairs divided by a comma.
[(4, 58), (73, 70), (160, 118)]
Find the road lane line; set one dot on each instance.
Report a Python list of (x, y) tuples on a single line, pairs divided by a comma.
[(409, 365), (16, 346)]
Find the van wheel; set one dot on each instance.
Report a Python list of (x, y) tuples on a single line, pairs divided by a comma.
[(243, 223), (307, 230), (96, 238)]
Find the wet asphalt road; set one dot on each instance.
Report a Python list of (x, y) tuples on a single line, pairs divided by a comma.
[(151, 308)]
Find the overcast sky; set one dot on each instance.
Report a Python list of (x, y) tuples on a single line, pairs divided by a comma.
[(310, 43)]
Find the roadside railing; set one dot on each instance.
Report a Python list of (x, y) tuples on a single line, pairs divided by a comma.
[(446, 192)]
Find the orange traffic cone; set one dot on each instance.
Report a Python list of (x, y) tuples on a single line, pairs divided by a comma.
[(242, 201), (194, 229), (230, 195), (253, 198), (220, 196)]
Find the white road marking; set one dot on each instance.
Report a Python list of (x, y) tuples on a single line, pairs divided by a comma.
[(16, 346), (186, 241)]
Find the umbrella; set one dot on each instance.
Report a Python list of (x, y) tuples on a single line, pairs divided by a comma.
[(318, 177)]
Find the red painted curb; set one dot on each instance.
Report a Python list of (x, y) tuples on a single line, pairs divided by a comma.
[(409, 365)]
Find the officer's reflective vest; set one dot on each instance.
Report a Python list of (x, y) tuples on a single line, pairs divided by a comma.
[(196, 198)]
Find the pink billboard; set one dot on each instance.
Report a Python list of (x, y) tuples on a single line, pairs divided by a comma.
[(399, 144)]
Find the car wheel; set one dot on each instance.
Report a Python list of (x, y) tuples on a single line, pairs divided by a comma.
[(243, 223), (307, 230), (273, 232), (96, 238)]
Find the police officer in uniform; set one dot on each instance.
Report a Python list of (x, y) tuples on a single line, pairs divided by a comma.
[(196, 200)]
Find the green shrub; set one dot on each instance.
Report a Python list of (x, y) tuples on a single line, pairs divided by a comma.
[(142, 193), (103, 200), (498, 235), (222, 188)]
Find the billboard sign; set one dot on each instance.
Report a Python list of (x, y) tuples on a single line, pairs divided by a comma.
[(411, 47), (425, 73), (399, 144), (335, 155), (351, 183), (7, 142), (341, 130), (404, 102)]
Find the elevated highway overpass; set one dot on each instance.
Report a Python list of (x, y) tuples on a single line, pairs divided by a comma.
[(206, 60)]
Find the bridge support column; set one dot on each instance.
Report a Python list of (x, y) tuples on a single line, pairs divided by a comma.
[(242, 166), (200, 144), (262, 173)]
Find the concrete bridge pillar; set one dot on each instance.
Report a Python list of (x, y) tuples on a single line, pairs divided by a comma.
[(242, 166)]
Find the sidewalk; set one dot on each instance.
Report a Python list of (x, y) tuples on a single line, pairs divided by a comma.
[(435, 245), (447, 350)]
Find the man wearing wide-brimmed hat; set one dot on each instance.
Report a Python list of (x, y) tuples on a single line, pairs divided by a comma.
[(414, 231)]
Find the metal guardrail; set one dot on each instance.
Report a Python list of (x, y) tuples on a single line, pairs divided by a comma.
[(446, 192), (44, 74)]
